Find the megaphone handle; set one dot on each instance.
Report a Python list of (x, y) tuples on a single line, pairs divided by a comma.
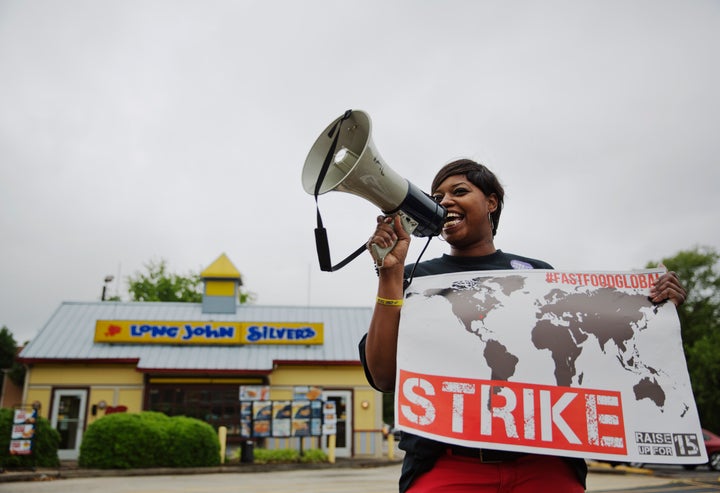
[(408, 224)]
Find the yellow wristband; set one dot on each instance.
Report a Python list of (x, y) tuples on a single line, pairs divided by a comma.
[(387, 302)]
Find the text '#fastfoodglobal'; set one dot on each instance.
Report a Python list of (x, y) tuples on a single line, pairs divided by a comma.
[(641, 280)]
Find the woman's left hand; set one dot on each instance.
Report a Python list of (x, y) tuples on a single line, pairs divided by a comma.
[(668, 287)]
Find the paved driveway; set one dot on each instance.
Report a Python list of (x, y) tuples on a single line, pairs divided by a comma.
[(330, 480)]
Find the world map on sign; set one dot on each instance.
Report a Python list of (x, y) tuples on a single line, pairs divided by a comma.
[(565, 323)]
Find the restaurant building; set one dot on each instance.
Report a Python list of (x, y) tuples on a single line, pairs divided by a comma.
[(206, 360)]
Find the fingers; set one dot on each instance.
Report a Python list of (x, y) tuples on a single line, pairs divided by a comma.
[(400, 230), (384, 235), (392, 241), (668, 287)]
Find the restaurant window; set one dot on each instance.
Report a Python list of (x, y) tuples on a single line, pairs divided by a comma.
[(218, 405)]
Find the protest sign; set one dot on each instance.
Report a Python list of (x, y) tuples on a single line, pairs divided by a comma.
[(576, 364)]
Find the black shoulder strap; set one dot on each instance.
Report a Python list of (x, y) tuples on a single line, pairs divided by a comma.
[(321, 239)]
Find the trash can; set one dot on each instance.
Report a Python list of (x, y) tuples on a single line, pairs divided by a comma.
[(246, 452)]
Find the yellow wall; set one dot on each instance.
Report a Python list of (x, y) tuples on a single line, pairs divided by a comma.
[(370, 418), (344, 377), (41, 395), (84, 374), (117, 385)]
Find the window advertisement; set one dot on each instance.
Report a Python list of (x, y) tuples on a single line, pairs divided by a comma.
[(254, 392), (308, 392), (329, 413), (302, 416), (316, 417), (281, 421), (23, 431), (246, 415), (262, 418)]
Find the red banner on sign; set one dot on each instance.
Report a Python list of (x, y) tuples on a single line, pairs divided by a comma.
[(514, 415)]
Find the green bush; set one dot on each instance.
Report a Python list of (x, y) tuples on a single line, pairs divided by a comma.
[(148, 439), (314, 456), (284, 456), (45, 444), (265, 456), (192, 442)]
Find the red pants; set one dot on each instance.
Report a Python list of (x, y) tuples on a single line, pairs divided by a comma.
[(528, 474)]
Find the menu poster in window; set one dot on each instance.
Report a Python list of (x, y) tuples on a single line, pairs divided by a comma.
[(281, 427), (283, 418), (22, 432), (308, 392), (246, 415), (316, 409), (246, 409), (329, 408), (282, 411), (329, 418), (300, 427), (262, 413), (329, 428), (301, 410), (316, 427), (246, 428), (301, 418), (254, 392)]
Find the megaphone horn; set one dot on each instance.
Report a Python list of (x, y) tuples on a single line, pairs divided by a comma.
[(344, 159)]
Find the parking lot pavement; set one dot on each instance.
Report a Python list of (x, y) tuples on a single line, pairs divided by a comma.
[(344, 477)]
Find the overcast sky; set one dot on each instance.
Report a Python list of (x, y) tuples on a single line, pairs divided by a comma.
[(135, 131)]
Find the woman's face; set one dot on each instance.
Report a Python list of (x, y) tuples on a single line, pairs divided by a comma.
[(467, 224)]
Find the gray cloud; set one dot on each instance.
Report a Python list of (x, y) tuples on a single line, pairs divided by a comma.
[(133, 131)]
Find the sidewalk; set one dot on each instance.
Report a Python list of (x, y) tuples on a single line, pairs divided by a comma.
[(70, 469), (602, 477)]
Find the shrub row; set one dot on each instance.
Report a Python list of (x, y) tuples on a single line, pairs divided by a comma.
[(148, 439), (284, 456)]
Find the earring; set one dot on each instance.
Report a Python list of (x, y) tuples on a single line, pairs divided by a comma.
[(492, 224)]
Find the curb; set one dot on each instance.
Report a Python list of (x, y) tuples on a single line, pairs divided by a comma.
[(50, 474), (605, 467)]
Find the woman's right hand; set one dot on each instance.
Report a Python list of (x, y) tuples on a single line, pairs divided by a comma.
[(389, 230), (381, 343)]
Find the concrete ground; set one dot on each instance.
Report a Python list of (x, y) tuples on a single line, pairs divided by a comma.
[(351, 473)]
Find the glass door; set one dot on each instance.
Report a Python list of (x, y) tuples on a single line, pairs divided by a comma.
[(68, 418), (343, 408)]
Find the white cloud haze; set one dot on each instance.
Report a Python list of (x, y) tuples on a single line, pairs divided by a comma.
[(143, 130)]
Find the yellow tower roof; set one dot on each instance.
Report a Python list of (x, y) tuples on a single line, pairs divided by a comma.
[(221, 268)]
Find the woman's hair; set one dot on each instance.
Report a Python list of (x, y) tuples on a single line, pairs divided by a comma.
[(479, 176)]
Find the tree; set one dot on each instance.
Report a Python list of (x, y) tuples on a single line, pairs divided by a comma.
[(8, 351), (160, 285), (8, 346), (699, 272)]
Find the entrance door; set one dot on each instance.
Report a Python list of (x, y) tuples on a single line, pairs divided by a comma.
[(68, 417), (343, 408)]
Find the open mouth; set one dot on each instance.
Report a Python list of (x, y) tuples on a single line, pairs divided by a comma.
[(452, 219)]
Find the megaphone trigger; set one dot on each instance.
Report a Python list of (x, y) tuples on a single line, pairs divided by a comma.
[(379, 253)]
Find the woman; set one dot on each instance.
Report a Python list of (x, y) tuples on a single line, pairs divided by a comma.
[(473, 198)]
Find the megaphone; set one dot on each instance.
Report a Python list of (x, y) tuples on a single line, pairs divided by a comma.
[(344, 159)]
